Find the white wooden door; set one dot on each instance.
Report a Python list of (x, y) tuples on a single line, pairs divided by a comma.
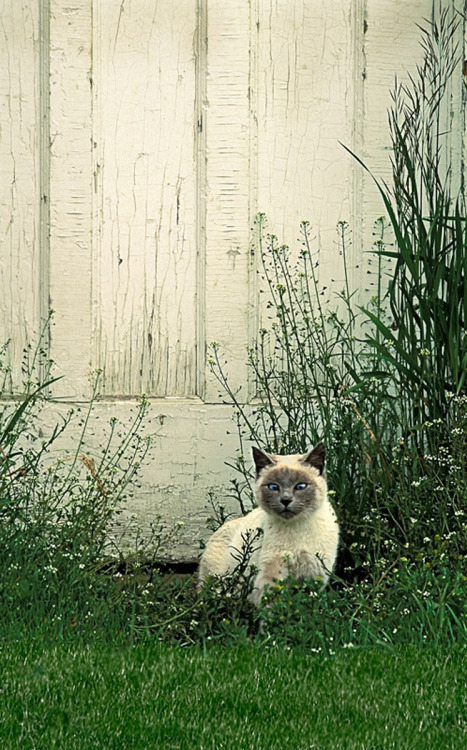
[(138, 141)]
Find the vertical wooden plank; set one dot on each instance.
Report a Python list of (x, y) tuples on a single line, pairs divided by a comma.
[(358, 29), (71, 166), (43, 156), (305, 107), (228, 214), (456, 122), (392, 48), (201, 108), (20, 259), (146, 191)]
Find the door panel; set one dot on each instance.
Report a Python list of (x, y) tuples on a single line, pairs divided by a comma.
[(305, 105), (145, 335), (21, 181)]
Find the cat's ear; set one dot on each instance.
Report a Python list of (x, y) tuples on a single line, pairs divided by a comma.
[(316, 458), (261, 460)]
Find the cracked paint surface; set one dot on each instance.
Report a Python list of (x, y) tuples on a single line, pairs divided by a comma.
[(20, 182), (145, 271)]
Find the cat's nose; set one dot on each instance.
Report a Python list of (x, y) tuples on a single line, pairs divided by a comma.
[(286, 501)]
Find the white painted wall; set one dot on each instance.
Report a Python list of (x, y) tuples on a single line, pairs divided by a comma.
[(138, 141)]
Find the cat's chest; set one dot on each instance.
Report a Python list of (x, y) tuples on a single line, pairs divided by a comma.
[(293, 537)]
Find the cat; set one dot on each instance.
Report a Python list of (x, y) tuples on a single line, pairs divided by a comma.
[(300, 533)]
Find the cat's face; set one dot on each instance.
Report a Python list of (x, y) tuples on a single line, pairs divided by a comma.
[(287, 486)]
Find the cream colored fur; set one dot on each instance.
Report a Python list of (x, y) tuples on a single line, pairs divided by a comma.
[(298, 539)]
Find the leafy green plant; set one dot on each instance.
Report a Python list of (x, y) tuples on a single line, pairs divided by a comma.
[(418, 599), (56, 512), (413, 600), (383, 385)]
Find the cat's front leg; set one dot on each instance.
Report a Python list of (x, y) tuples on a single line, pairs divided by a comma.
[(269, 572)]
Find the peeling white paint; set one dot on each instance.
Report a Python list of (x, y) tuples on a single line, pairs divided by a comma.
[(71, 208), (19, 177), (145, 270)]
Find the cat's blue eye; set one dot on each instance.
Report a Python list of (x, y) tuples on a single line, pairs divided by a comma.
[(301, 486), (273, 487)]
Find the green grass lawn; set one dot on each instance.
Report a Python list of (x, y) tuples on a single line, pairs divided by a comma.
[(154, 696)]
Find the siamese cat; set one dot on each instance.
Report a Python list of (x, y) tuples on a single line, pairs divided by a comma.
[(299, 528)]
